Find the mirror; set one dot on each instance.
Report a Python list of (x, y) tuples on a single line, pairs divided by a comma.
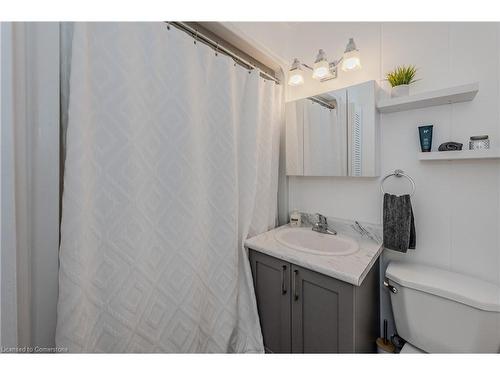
[(333, 134)]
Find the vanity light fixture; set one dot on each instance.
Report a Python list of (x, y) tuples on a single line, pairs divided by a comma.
[(324, 70)]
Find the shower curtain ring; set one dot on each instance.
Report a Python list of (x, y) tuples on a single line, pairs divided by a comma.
[(168, 25), (196, 36), (217, 49)]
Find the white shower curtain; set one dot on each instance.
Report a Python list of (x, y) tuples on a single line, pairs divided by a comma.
[(171, 161)]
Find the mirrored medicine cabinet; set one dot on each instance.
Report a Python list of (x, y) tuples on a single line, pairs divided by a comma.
[(334, 134)]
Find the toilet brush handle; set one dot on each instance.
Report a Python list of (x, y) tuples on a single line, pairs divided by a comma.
[(385, 332)]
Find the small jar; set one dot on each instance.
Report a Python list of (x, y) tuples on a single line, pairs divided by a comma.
[(479, 142)]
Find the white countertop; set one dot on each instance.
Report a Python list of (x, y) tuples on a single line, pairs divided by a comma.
[(349, 268)]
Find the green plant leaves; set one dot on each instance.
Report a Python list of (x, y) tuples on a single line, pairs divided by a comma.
[(402, 75)]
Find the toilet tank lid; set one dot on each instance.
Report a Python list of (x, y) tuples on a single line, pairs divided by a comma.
[(451, 285)]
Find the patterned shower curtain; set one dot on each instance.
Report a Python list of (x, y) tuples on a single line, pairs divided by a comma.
[(171, 162)]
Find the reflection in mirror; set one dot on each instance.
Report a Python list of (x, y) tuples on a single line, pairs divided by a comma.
[(294, 113), (325, 139)]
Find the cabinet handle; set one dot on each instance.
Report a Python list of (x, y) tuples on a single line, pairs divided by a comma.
[(283, 286), (295, 289)]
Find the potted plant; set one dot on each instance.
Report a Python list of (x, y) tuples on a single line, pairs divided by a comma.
[(400, 80)]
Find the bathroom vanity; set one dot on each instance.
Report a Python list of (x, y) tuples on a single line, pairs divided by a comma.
[(317, 303)]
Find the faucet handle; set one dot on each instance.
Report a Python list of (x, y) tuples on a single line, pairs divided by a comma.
[(321, 219)]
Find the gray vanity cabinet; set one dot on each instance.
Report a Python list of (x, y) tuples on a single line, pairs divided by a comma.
[(322, 310), (271, 278), (302, 311)]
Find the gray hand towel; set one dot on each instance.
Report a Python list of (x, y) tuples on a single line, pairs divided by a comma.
[(399, 225)]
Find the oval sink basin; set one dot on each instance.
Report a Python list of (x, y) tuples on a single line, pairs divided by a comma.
[(309, 241)]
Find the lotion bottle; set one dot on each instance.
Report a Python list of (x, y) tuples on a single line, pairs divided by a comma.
[(295, 218)]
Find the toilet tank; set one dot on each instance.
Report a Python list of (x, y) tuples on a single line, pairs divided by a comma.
[(440, 311)]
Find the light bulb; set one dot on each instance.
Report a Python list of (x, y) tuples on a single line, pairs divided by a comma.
[(296, 75), (296, 78), (351, 61)]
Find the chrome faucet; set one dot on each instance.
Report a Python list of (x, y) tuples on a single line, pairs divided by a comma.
[(321, 226)]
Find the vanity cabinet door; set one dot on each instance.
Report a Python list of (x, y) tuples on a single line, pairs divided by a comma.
[(322, 313), (271, 278)]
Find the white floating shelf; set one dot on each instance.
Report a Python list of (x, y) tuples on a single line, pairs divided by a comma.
[(457, 94), (460, 155)]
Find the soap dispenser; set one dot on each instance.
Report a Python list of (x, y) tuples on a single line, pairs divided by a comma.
[(295, 218)]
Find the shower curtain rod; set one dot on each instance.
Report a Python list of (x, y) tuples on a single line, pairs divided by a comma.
[(218, 48)]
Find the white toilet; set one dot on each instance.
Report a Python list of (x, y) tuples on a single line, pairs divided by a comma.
[(437, 311)]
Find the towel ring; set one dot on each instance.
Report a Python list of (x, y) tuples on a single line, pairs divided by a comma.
[(398, 173)]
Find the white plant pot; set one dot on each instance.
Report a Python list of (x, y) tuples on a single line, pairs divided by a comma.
[(401, 90)]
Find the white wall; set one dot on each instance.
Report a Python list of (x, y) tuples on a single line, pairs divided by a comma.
[(457, 203), (8, 295), (0, 191), (45, 181), (30, 183)]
